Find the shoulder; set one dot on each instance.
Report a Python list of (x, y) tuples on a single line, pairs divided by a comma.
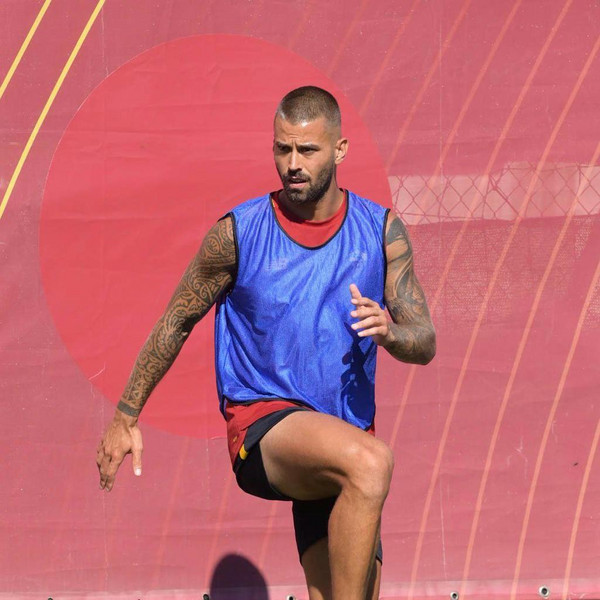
[(368, 212), (375, 210), (253, 205), (366, 202), (218, 247), (397, 240), (249, 216)]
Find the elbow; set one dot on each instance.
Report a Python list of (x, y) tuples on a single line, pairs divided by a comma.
[(429, 348), (175, 328), (186, 325)]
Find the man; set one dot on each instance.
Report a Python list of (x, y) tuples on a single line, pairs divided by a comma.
[(299, 277)]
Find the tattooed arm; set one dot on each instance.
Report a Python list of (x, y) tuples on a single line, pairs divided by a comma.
[(209, 274), (411, 335)]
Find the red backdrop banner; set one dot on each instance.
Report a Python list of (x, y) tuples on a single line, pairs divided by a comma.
[(128, 128)]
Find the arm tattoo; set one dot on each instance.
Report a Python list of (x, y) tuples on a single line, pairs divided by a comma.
[(413, 335), (128, 410), (210, 274)]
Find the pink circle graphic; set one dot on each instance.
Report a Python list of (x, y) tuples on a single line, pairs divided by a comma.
[(159, 151)]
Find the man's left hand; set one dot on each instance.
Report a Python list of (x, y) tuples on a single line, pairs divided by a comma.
[(373, 319)]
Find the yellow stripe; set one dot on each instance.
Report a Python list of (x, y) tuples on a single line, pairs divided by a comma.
[(48, 105), (243, 453), (24, 46)]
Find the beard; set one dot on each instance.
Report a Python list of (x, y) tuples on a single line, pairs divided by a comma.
[(312, 191)]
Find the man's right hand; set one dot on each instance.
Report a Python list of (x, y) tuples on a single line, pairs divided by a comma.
[(122, 437)]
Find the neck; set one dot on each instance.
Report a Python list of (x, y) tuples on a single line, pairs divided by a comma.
[(322, 209)]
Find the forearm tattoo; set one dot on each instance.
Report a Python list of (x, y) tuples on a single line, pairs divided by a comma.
[(210, 273), (413, 335)]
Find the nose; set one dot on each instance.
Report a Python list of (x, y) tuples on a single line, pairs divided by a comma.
[(294, 163)]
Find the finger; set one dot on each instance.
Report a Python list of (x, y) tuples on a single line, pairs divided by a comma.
[(99, 457), (368, 322), (136, 453), (104, 467), (381, 330), (110, 481), (111, 473), (355, 292), (363, 301), (366, 311)]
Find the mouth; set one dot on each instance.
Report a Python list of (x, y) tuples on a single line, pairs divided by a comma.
[(296, 183)]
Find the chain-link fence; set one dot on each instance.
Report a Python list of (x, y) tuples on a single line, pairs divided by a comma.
[(436, 208), (551, 192)]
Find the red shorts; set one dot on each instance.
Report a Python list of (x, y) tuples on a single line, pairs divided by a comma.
[(240, 417)]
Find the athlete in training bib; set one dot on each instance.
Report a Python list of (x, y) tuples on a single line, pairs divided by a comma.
[(301, 278)]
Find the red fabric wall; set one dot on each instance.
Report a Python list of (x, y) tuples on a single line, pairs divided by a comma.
[(127, 128)]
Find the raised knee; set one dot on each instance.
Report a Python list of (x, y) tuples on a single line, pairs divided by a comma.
[(371, 471)]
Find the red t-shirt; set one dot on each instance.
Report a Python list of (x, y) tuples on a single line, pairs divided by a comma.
[(309, 233)]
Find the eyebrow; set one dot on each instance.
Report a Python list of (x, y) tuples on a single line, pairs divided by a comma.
[(306, 146)]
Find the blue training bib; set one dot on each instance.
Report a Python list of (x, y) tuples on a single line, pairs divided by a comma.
[(284, 329)]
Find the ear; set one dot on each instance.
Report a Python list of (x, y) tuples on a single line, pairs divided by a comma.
[(341, 149)]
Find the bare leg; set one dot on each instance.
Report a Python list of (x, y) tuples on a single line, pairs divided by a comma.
[(308, 456), (315, 563), (375, 576), (374, 581)]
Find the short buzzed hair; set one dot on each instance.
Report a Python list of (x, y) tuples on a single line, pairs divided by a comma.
[(308, 103)]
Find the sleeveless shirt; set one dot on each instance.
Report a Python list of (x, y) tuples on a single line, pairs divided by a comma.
[(284, 329)]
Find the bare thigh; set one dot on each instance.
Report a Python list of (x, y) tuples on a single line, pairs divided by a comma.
[(310, 455)]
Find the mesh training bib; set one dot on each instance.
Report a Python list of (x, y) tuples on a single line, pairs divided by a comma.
[(284, 329)]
